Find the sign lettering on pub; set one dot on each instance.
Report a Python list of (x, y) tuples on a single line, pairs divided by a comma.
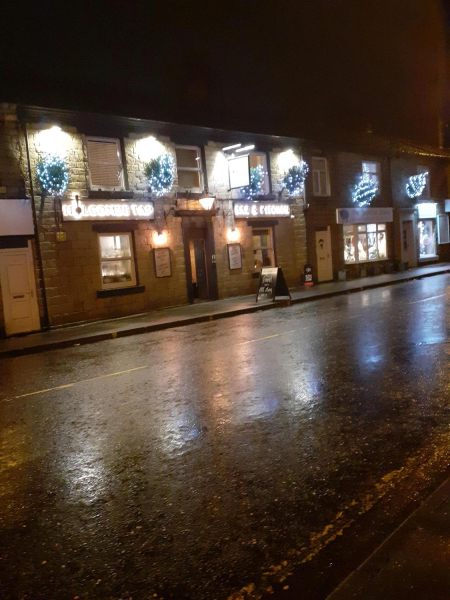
[(244, 210)]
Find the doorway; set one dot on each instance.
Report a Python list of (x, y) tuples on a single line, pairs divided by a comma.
[(18, 285), (200, 259), (323, 254), (408, 247)]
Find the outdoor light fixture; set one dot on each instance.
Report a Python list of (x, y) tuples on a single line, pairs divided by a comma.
[(160, 238), (53, 141), (233, 235), (207, 202), (246, 148), (233, 147)]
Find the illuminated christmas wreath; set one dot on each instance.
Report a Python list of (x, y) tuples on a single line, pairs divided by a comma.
[(365, 190), (256, 187), (53, 175), (416, 184), (294, 180), (160, 173)]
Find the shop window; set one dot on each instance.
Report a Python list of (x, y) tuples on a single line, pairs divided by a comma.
[(105, 163), (427, 238), (321, 182), (117, 261), (189, 168), (365, 243), (426, 189), (263, 251), (373, 169)]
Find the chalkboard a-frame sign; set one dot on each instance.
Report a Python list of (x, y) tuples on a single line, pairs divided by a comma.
[(272, 284)]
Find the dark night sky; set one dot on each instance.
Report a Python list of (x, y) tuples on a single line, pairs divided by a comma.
[(282, 67)]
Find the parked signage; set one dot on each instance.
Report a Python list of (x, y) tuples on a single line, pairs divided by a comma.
[(271, 284), (16, 217), (245, 210), (308, 275), (109, 210), (239, 171), (362, 215)]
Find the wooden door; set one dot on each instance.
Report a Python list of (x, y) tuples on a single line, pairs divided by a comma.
[(18, 291), (323, 253)]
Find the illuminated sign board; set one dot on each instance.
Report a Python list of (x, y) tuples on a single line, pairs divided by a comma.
[(427, 210), (108, 210), (245, 210), (364, 215)]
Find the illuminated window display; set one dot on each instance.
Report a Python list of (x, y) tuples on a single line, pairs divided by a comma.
[(427, 238), (117, 261), (365, 243)]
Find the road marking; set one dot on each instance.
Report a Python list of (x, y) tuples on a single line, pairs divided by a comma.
[(267, 337), (426, 299), (68, 385)]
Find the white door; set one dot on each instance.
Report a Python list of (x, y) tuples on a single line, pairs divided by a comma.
[(18, 291), (323, 253)]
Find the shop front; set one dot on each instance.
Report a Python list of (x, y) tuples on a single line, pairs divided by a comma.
[(269, 228), (366, 234)]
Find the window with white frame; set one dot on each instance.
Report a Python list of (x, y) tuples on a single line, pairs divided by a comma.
[(373, 169), (320, 177), (117, 260), (263, 250), (189, 168), (365, 243), (105, 163), (426, 189), (258, 161), (427, 238)]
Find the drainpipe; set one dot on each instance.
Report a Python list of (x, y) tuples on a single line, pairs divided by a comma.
[(46, 325)]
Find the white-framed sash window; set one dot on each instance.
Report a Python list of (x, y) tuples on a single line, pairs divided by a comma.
[(117, 260)]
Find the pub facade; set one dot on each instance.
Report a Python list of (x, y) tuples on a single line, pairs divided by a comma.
[(119, 216)]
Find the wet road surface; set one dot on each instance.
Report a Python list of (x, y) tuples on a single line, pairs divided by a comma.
[(212, 461)]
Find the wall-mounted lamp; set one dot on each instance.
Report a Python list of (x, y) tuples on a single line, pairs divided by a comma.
[(233, 235), (245, 148), (207, 202), (160, 238)]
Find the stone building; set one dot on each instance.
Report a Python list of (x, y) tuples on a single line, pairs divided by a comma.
[(111, 245), (388, 231)]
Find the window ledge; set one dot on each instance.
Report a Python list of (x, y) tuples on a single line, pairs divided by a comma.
[(125, 291), (428, 257)]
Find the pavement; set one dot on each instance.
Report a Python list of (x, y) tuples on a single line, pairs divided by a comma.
[(198, 313), (232, 459), (413, 563)]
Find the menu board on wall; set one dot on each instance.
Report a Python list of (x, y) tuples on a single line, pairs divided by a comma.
[(234, 256), (163, 268)]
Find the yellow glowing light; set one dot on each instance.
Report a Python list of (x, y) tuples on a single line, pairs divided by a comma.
[(233, 235), (149, 148), (53, 141), (287, 159), (207, 202), (160, 239)]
